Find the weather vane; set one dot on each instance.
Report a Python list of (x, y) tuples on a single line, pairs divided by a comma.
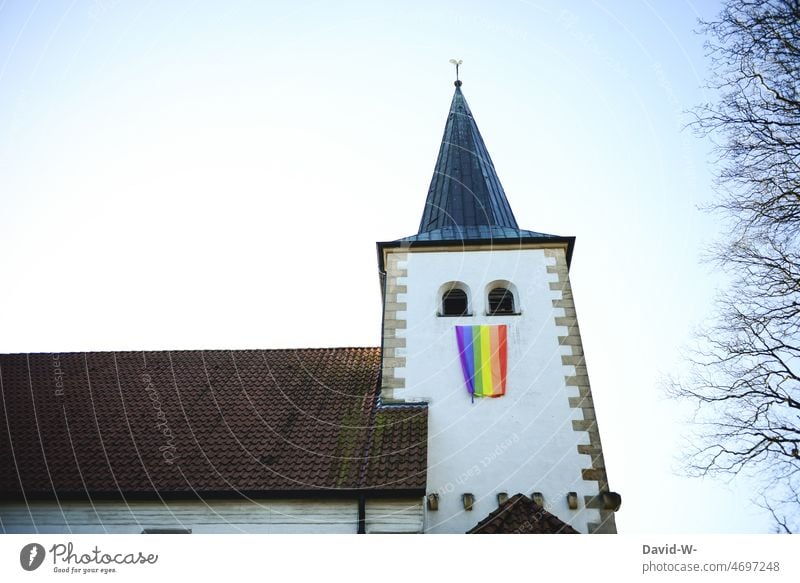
[(457, 63)]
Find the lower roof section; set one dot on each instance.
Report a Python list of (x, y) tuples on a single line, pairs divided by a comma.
[(475, 232), (484, 236)]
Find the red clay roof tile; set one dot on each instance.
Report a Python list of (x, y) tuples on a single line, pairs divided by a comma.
[(204, 423)]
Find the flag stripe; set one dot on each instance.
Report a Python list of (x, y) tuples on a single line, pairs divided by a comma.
[(503, 357), (464, 335), (486, 360), (496, 376)]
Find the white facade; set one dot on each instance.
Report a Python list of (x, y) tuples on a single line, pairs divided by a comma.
[(523, 442), (218, 516)]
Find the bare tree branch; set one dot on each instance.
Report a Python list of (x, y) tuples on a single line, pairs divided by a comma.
[(744, 378)]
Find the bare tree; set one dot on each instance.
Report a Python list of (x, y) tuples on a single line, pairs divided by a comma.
[(745, 374)]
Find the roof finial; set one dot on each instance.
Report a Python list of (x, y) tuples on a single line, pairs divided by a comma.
[(457, 63)]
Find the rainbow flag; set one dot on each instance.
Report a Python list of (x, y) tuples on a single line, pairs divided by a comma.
[(484, 358)]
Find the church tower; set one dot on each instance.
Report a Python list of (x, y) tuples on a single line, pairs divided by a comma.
[(479, 323)]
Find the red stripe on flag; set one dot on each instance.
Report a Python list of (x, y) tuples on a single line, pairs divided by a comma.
[(502, 353)]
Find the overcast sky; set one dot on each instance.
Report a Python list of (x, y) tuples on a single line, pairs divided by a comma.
[(170, 174)]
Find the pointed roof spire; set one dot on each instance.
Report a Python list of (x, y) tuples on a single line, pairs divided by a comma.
[(466, 203), (465, 190)]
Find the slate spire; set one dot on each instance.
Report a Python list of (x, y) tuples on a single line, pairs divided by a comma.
[(465, 190)]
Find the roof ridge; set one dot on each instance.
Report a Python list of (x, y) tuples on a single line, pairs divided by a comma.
[(174, 350)]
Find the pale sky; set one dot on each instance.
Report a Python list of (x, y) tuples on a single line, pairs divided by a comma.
[(170, 174)]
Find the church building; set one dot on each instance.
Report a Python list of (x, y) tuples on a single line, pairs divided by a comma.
[(474, 415)]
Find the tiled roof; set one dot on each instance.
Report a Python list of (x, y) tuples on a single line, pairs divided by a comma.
[(521, 515), (207, 423)]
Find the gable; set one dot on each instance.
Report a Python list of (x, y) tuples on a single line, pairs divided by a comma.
[(521, 515)]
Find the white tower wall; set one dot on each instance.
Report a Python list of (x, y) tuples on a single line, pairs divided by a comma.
[(526, 441)]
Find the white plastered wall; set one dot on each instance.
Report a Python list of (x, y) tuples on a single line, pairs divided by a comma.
[(520, 443)]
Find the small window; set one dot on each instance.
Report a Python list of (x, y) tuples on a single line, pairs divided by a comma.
[(501, 301), (454, 303)]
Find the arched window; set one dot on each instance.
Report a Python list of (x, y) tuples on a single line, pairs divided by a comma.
[(501, 301), (455, 303)]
